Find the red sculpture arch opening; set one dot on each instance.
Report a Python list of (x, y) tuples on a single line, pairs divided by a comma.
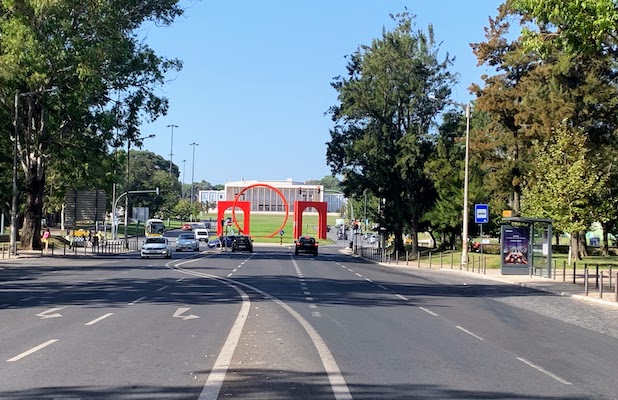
[(245, 206), (299, 207), (285, 203)]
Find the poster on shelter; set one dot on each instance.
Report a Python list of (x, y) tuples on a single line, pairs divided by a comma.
[(515, 249)]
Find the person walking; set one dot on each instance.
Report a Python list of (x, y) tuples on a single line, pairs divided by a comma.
[(45, 239)]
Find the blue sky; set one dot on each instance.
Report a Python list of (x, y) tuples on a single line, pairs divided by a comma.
[(255, 84)]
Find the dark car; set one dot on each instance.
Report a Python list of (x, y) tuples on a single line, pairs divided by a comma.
[(306, 244), (242, 243), (228, 241)]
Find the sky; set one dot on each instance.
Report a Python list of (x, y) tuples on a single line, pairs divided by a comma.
[(255, 84)]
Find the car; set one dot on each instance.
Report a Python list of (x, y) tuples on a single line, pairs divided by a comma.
[(306, 244), (227, 240), (187, 241), (201, 234), (198, 225), (186, 227), (242, 242), (156, 247)]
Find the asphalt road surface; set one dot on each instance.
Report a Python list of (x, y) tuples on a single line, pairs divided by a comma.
[(271, 325)]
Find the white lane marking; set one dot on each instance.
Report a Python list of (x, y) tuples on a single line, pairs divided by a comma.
[(134, 302), (32, 350), (46, 314), (401, 297), (309, 298), (368, 280), (316, 314), (429, 311), (546, 372), (230, 274), (382, 287), (182, 310), (28, 298), (335, 377), (94, 321), (235, 269), (350, 269), (359, 275), (312, 305), (162, 288), (468, 332), (307, 293)]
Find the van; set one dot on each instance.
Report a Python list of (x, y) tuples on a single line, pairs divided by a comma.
[(201, 234)]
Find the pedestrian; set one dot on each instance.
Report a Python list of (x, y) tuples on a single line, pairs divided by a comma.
[(46, 238)]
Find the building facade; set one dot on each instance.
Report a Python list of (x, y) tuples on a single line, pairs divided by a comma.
[(264, 199)]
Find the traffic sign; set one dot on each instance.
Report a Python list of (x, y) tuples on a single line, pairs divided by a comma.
[(281, 232), (481, 213)]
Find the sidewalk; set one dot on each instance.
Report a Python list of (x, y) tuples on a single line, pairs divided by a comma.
[(551, 285)]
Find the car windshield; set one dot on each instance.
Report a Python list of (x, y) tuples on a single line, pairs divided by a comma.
[(156, 240), (186, 236), (243, 239), (305, 240)]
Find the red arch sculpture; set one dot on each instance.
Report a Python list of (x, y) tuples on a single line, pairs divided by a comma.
[(285, 203), (299, 207), (245, 206)]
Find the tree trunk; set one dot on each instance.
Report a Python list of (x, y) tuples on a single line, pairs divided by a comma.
[(574, 247), (605, 240), (583, 250), (31, 238)]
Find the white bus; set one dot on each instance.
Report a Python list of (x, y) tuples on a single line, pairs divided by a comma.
[(154, 227)]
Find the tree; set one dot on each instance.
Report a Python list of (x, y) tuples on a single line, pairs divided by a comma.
[(104, 78), (573, 26), (380, 141), (550, 192)]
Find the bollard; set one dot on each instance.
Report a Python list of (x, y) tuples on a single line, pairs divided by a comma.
[(473, 261), (407, 257), (485, 267), (564, 271), (418, 259), (397, 257), (441, 260), (574, 272), (555, 263), (585, 280), (601, 287), (452, 257), (616, 289), (596, 276), (610, 277), (430, 260)]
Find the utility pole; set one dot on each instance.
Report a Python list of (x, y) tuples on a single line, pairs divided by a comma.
[(172, 147), (192, 176)]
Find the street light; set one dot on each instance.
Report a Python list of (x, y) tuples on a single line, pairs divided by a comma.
[(192, 176), (126, 200), (464, 233), (172, 146), (13, 238), (184, 169)]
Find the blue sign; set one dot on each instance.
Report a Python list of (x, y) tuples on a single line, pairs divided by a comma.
[(481, 213)]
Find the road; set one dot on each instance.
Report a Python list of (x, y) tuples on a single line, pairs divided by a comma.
[(271, 325)]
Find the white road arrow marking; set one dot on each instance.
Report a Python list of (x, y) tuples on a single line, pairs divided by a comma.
[(182, 310), (46, 314)]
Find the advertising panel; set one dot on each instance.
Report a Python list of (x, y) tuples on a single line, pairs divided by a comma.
[(515, 248)]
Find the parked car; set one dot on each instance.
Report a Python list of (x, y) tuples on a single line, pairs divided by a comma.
[(201, 234), (156, 247), (242, 242), (306, 244), (187, 241)]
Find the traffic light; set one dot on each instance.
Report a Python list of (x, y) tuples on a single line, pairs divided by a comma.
[(319, 190), (222, 222), (300, 191)]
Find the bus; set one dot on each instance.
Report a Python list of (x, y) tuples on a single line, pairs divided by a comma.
[(154, 227)]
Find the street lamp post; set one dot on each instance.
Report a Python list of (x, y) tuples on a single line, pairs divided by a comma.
[(192, 176), (13, 238), (184, 169), (126, 200), (172, 146)]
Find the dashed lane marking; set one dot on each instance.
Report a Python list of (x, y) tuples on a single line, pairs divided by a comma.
[(94, 321), (546, 372), (429, 311), (134, 302), (401, 297), (468, 332), (32, 350)]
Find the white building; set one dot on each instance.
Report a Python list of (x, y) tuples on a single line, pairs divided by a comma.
[(264, 199)]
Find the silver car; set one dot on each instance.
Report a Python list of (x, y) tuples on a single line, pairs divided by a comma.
[(187, 241), (156, 247)]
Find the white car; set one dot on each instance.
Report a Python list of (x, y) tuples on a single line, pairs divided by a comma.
[(201, 234), (156, 247)]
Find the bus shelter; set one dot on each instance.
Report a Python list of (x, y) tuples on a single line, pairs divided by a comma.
[(525, 246)]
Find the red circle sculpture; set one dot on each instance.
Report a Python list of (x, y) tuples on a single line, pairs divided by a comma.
[(285, 220)]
